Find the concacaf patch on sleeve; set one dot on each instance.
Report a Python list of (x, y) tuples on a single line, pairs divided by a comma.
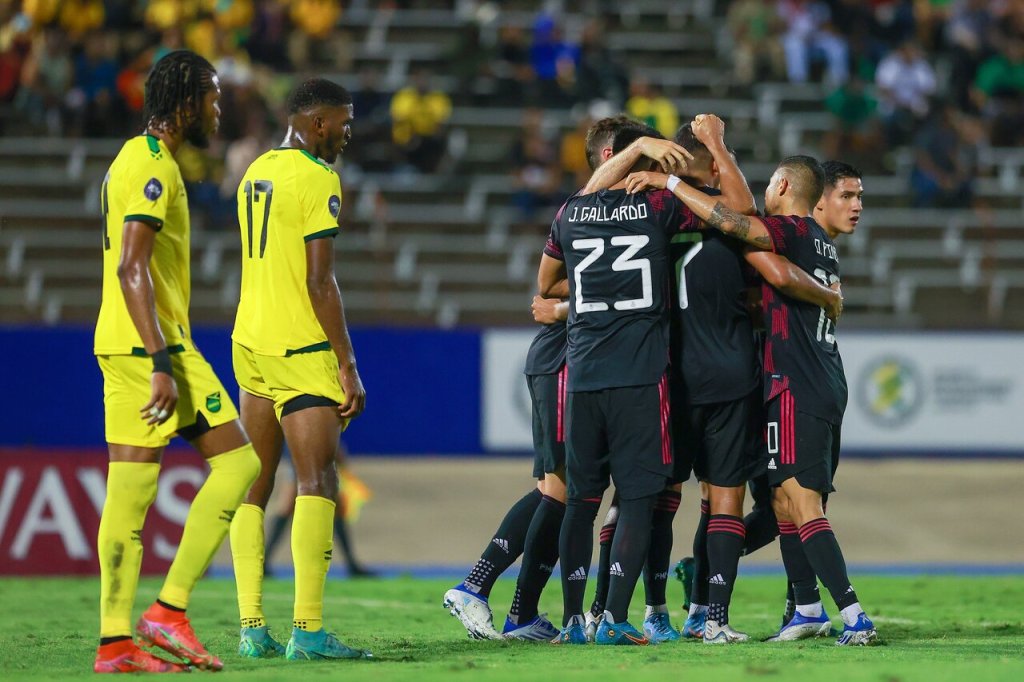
[(334, 205), (153, 189)]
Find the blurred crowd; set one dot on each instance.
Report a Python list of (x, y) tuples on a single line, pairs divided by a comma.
[(937, 77)]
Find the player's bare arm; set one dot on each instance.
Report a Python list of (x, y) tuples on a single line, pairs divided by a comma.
[(708, 208), (549, 310), (736, 194), (137, 286), (670, 156), (325, 297), (552, 281), (779, 272)]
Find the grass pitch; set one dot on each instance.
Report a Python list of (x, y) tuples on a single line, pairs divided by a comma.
[(934, 628)]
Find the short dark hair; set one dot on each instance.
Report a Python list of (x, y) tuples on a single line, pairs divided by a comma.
[(806, 176), (602, 134), (631, 134), (688, 141), (176, 85), (317, 92), (838, 170)]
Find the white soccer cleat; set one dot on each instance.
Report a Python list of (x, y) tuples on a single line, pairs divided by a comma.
[(592, 623), (722, 634), (540, 629), (473, 612)]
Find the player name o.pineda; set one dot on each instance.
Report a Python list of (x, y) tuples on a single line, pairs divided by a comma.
[(825, 249), (596, 214)]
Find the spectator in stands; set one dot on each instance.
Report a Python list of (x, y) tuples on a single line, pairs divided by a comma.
[(79, 17), (554, 62), (968, 35), (573, 154), (472, 64), (512, 67), (419, 113), (943, 163), (930, 17), (599, 76), (755, 27), (809, 36), (905, 82), (268, 39), (857, 21), (319, 39), (536, 175), (94, 101), (648, 105), (999, 92), (240, 154), (45, 78), (854, 135)]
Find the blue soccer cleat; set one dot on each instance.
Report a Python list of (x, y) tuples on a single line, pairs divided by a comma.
[(573, 633), (803, 627), (539, 629), (311, 646), (693, 628), (257, 643), (620, 634), (862, 633), (658, 628)]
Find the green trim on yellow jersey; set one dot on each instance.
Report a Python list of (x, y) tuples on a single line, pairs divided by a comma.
[(312, 348), (308, 156), (154, 143), (329, 232), (152, 221)]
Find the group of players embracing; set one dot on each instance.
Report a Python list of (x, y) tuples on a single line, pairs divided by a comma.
[(682, 333)]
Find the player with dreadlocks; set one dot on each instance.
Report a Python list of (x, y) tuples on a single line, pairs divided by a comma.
[(145, 351)]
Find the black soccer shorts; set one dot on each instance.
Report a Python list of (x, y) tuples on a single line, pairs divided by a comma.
[(548, 393), (622, 433), (723, 441), (800, 445)]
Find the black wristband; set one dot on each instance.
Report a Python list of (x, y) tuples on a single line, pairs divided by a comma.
[(162, 362)]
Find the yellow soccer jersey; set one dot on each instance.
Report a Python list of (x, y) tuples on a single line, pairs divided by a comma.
[(286, 198), (144, 184)]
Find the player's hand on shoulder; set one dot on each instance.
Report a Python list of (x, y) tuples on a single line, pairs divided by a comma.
[(670, 156), (835, 311), (545, 310), (355, 394), (163, 398), (708, 128), (645, 180)]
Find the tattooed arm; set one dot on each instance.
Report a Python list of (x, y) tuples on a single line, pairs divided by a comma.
[(708, 208)]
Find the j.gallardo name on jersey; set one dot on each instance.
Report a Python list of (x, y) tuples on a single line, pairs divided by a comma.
[(601, 214)]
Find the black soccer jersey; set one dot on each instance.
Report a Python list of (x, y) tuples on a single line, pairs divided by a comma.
[(801, 354), (615, 247), (712, 337), (547, 350)]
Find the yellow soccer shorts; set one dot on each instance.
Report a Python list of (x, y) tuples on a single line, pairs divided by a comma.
[(126, 388), (284, 379)]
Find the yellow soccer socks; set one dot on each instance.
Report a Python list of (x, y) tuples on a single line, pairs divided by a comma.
[(131, 489), (247, 555), (231, 475), (312, 543)]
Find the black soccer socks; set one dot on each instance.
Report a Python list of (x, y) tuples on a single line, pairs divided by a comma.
[(539, 559), (826, 558), (629, 553), (799, 573), (659, 554), (506, 545), (725, 542), (575, 550)]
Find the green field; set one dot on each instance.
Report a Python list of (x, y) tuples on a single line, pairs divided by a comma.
[(934, 628)]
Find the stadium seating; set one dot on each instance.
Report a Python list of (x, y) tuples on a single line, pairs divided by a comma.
[(450, 250)]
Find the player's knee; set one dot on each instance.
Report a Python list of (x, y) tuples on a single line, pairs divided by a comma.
[(780, 505), (612, 517)]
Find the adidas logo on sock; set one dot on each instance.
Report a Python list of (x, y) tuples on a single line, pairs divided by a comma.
[(615, 569), (578, 574), (717, 579), (501, 542), (771, 464)]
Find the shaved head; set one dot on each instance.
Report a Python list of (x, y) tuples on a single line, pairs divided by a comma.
[(805, 175)]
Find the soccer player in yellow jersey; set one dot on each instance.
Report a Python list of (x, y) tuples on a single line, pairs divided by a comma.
[(294, 361), (155, 382)]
